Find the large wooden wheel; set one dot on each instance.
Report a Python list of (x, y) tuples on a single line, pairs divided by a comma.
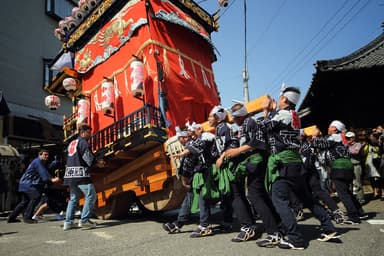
[(170, 197)]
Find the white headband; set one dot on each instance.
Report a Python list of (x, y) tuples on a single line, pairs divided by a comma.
[(241, 112), (220, 112), (339, 125), (192, 127), (292, 96), (180, 133)]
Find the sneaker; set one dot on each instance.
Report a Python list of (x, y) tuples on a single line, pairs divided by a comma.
[(30, 221), (362, 214), (13, 220), (299, 215), (270, 241), (87, 225), (171, 227), (67, 226), (350, 221), (201, 231), (38, 217), (246, 233), (338, 216), (58, 216), (286, 244), (328, 235)]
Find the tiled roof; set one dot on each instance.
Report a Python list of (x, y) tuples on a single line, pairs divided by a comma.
[(347, 89), (368, 56)]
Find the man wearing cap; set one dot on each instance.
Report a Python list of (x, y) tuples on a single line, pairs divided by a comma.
[(354, 148), (286, 173), (342, 175)]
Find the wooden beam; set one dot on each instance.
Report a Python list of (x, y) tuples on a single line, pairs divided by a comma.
[(140, 162)]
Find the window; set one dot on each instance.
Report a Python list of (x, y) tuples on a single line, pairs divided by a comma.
[(59, 9), (48, 74)]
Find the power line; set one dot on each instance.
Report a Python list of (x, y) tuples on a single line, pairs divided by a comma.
[(304, 59), (330, 39), (296, 57), (267, 28)]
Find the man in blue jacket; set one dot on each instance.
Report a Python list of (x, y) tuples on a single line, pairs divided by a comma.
[(31, 186)]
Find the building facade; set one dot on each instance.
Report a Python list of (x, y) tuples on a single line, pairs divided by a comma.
[(27, 47)]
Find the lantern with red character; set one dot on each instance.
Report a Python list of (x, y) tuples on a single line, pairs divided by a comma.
[(82, 111), (52, 102), (137, 77), (107, 97), (70, 84)]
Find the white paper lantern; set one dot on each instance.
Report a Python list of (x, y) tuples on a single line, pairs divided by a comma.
[(52, 102), (107, 95), (83, 111), (137, 77), (70, 84)]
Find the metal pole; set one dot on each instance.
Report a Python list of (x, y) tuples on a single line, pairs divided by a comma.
[(245, 72)]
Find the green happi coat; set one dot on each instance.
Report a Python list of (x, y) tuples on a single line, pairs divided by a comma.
[(342, 164), (216, 183), (283, 157)]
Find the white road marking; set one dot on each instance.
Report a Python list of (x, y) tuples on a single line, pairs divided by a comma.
[(55, 242), (376, 222)]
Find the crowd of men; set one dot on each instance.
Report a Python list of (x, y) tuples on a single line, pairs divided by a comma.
[(265, 166)]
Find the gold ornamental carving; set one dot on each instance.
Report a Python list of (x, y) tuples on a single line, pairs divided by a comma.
[(95, 15)]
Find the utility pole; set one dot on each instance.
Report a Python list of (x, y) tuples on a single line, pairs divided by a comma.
[(245, 71)]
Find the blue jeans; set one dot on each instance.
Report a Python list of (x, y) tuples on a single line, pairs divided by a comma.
[(205, 211), (76, 192), (185, 209)]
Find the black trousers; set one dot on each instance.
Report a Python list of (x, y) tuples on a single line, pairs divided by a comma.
[(29, 201), (240, 204), (346, 196), (320, 194), (281, 190), (262, 203)]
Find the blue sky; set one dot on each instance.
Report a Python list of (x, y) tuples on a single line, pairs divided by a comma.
[(285, 39)]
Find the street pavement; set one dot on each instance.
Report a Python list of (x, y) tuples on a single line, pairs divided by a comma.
[(142, 234)]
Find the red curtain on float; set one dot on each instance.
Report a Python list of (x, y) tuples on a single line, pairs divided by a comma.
[(167, 41)]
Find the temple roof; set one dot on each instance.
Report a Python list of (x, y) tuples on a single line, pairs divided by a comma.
[(349, 89), (368, 56)]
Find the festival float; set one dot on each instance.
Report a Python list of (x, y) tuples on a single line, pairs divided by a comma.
[(134, 70)]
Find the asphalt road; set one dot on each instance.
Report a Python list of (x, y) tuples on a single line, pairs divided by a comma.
[(143, 235)]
